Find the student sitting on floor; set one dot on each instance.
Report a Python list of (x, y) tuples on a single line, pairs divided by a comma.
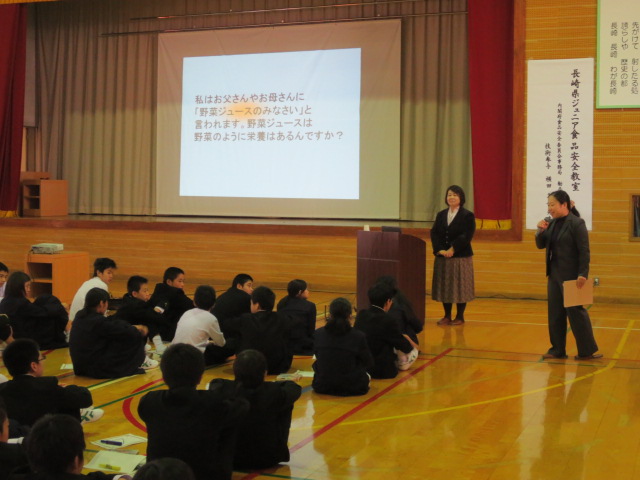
[(55, 449), (342, 354), (44, 320), (391, 350), (30, 395), (11, 455), (303, 314), (103, 272), (102, 347), (264, 330), (169, 298), (196, 426), (198, 327), (402, 311), (137, 310), (264, 432), (4, 276), (233, 303)]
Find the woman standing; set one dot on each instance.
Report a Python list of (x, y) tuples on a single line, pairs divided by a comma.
[(566, 241), (453, 267)]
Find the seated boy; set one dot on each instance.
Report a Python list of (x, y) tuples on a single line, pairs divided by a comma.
[(386, 342), (198, 327), (55, 449), (137, 310), (30, 395), (264, 432), (264, 330), (169, 299), (11, 456), (4, 276), (235, 301), (103, 271), (196, 426)]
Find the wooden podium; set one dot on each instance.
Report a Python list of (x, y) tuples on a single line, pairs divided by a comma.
[(396, 254)]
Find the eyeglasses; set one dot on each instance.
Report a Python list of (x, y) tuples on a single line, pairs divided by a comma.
[(41, 358)]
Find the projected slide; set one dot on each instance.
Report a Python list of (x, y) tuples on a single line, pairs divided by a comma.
[(271, 125), (300, 121)]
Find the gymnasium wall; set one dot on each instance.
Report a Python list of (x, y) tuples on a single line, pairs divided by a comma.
[(326, 256)]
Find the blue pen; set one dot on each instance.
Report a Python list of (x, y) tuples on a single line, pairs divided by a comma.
[(111, 442)]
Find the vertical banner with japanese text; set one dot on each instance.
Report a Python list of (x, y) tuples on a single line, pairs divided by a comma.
[(559, 135), (618, 54)]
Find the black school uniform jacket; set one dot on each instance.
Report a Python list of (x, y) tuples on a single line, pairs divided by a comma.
[(268, 333), (341, 363), (457, 235), (103, 347), (264, 432), (196, 426), (138, 312), (28, 398), (383, 335), (44, 320), (230, 305), (174, 302), (302, 313)]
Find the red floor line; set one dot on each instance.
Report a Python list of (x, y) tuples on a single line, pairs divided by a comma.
[(356, 409), (367, 402), (126, 406)]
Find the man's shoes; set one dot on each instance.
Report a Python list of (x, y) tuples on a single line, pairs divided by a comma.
[(444, 321), (593, 356), (457, 321), (549, 356), (149, 364), (88, 415)]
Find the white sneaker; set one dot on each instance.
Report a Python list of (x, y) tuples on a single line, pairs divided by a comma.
[(160, 347), (88, 415), (149, 364)]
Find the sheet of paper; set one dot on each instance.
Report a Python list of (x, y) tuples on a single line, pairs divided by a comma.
[(119, 441), (115, 462), (574, 296), (66, 366)]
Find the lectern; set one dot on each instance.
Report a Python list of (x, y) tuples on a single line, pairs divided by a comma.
[(396, 254)]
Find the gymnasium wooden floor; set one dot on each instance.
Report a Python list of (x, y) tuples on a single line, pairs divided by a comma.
[(478, 404)]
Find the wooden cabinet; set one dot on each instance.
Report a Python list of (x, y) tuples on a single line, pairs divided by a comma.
[(45, 198), (60, 274)]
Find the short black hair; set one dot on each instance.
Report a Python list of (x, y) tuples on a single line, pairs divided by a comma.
[(295, 287), (379, 294), (54, 443), (205, 297), (135, 282), (94, 296), (101, 264), (241, 279), (5, 327), (15, 286), (182, 365), (3, 267), (19, 355), (458, 191), (165, 469), (249, 368), (171, 273), (264, 297)]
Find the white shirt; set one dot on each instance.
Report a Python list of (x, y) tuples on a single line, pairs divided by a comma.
[(451, 215), (78, 299), (196, 327)]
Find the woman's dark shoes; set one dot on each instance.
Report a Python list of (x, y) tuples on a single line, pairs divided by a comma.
[(549, 356), (444, 321), (457, 321), (593, 356)]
